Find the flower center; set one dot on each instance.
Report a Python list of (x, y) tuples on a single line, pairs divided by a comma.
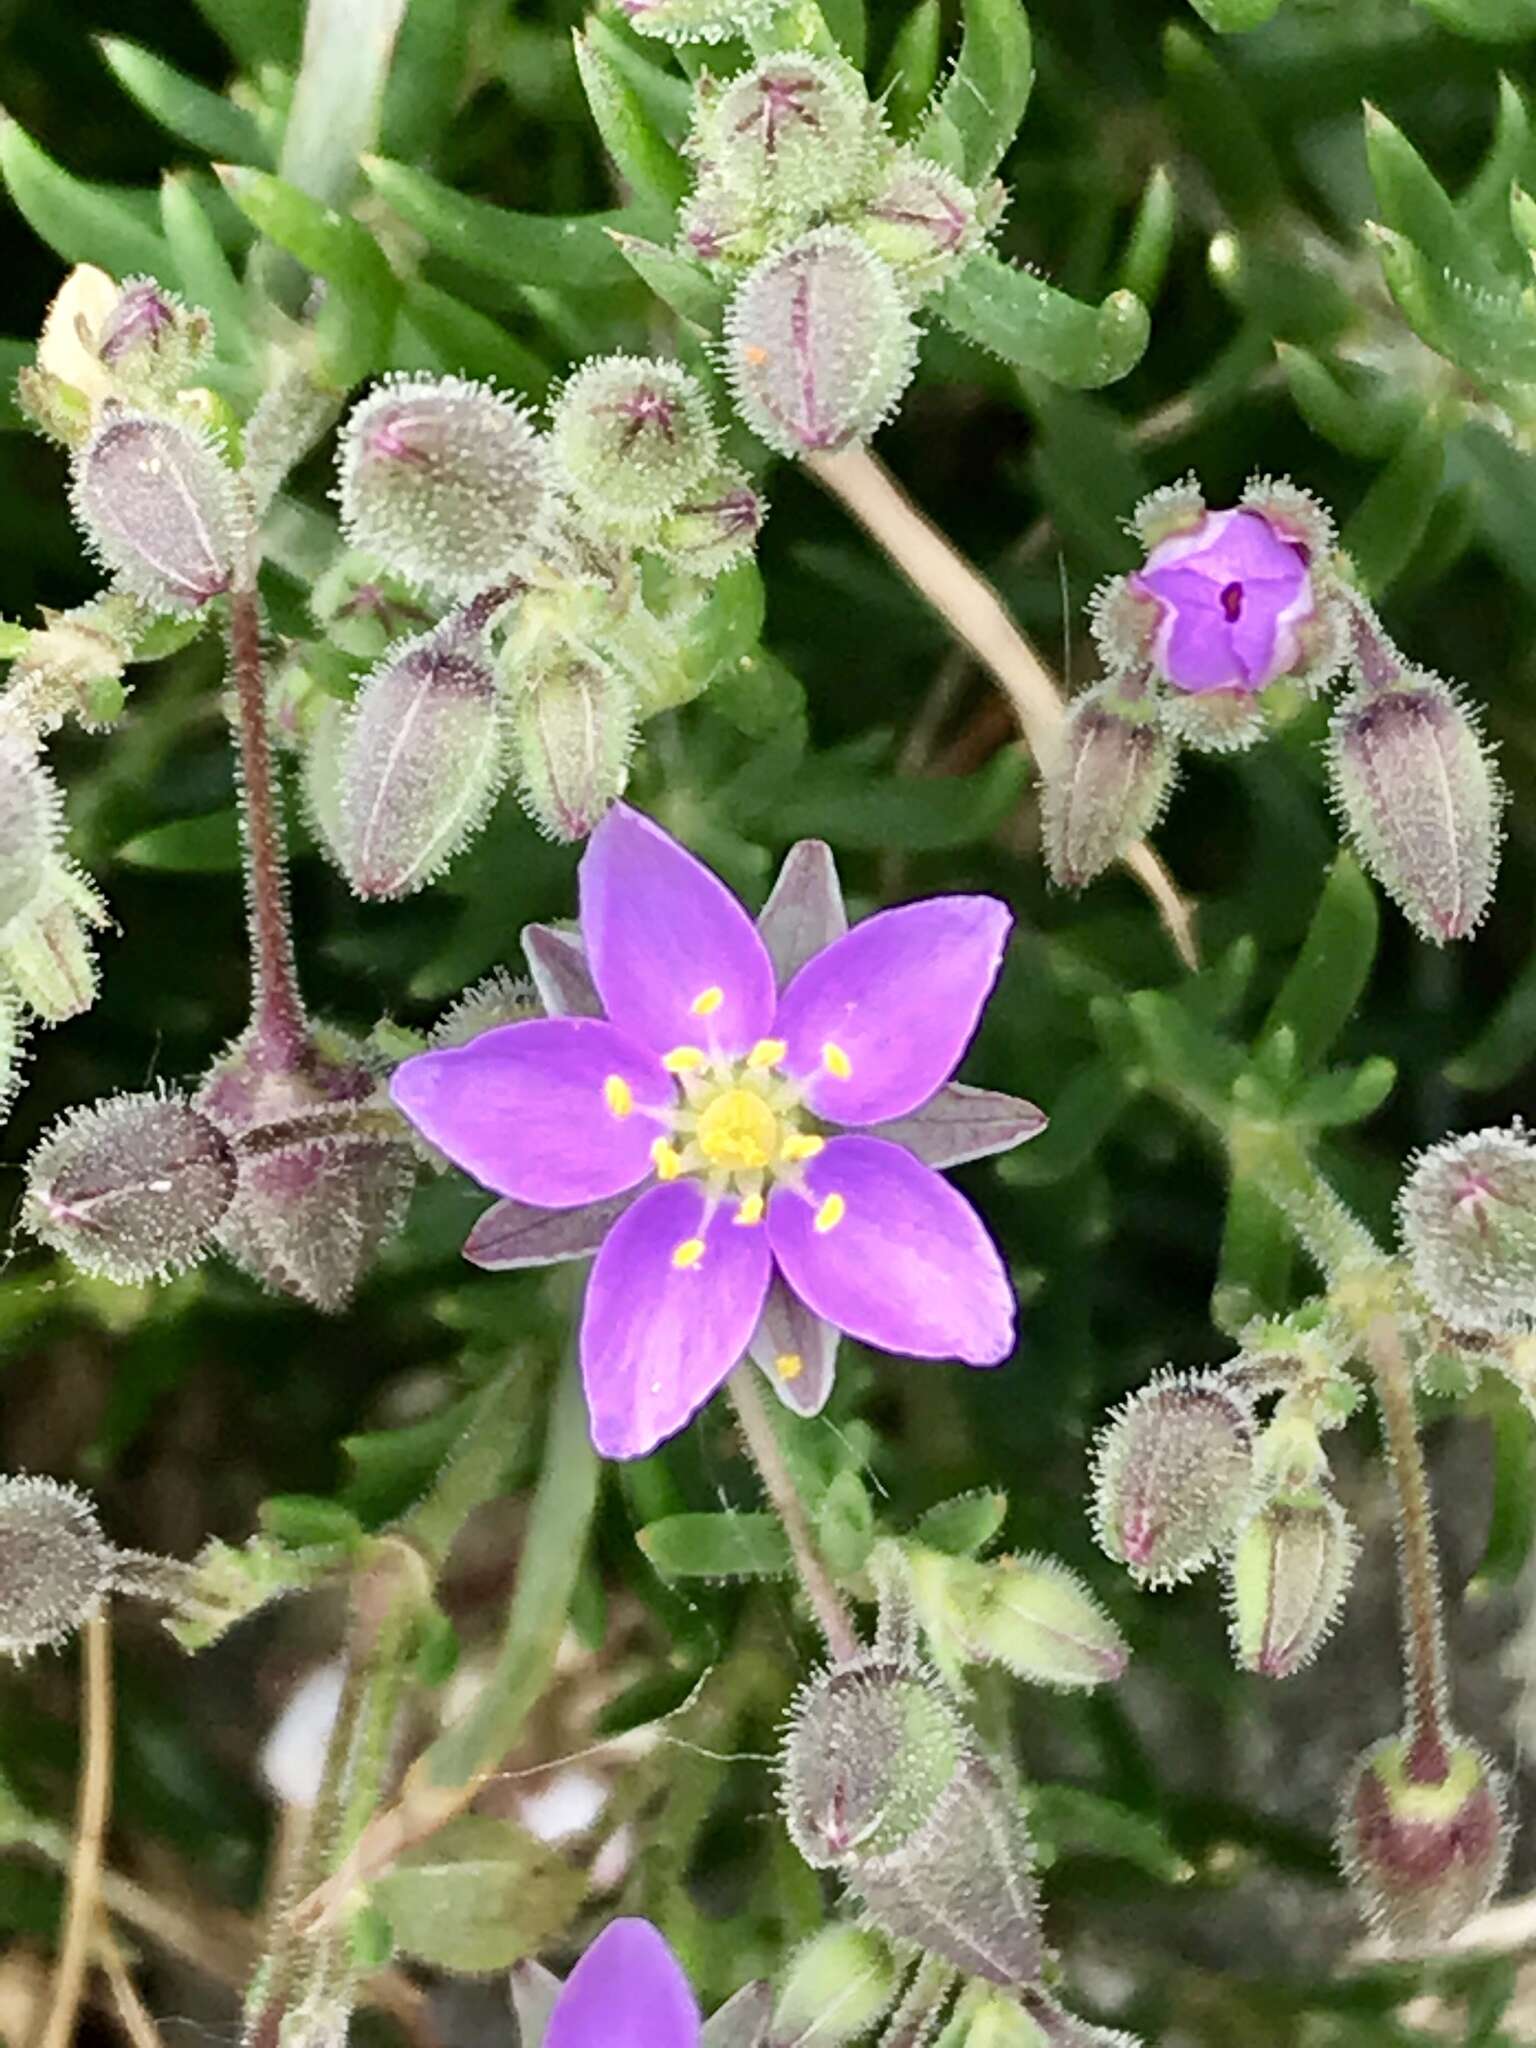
[(1232, 602), (738, 1131)]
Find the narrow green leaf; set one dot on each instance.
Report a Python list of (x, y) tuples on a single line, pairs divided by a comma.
[(1512, 1508), (575, 254), (203, 270), (301, 1521), (81, 222), (338, 95), (666, 98), (466, 342), (854, 809), (1489, 334), (426, 79), (1382, 532), (643, 155), (1031, 325), (1084, 1110), (209, 845), (848, 26), (480, 1895), (727, 1546), (912, 67), (1221, 130), (1319, 995), (986, 94), (845, 1524), (1413, 202), (1229, 17), (1072, 1822), (679, 282), (1511, 160), (1348, 1095), (1145, 262), (1490, 21), (1358, 411), (187, 110), (1254, 1273), (964, 1525), (257, 31)]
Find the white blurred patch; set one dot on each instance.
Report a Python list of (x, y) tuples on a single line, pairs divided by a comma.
[(293, 1755)]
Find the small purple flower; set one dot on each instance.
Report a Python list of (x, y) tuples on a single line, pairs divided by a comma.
[(628, 1991), (1233, 593), (742, 1123)]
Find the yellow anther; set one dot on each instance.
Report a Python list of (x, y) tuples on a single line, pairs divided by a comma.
[(805, 1146), (682, 1059), (751, 1210), (836, 1061), (738, 1131), (666, 1160), (618, 1095), (707, 1001), (831, 1213), (789, 1365), (688, 1253), (767, 1052)]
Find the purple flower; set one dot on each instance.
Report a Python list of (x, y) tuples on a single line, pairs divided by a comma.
[(1233, 593), (627, 1991), (742, 1123)]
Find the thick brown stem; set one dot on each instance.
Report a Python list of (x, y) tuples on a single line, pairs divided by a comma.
[(277, 1009)]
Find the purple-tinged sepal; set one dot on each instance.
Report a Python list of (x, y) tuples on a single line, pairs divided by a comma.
[(714, 525), (1173, 1474), (632, 437), (1424, 1851), (805, 911), (1468, 1214), (921, 219), (158, 507), (1031, 1615), (573, 733), (512, 1235), (1288, 1572), (962, 1123), (795, 135), (796, 1350), (557, 960), (1109, 782)]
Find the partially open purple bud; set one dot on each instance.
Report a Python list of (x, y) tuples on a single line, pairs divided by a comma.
[(1416, 786), (837, 1986), (132, 1187), (1029, 1614), (820, 344), (632, 437), (29, 824), (1468, 1216), (1423, 1858), (55, 1564), (921, 219), (573, 728), (1108, 784), (796, 135), (715, 526), (443, 480), (157, 505), (1231, 596), (421, 761), (1288, 1573), (150, 342), (1173, 1474), (697, 21)]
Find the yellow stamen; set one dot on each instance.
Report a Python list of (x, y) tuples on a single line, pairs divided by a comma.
[(836, 1061), (682, 1059), (666, 1160), (618, 1095), (789, 1365), (707, 1001), (688, 1253), (738, 1131), (806, 1146), (767, 1052), (831, 1213), (751, 1210)]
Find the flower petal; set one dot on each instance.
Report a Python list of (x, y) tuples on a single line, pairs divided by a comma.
[(805, 911), (676, 959), (796, 1349), (525, 1108), (963, 1123), (893, 1255), (628, 1991), (512, 1234), (557, 960), (660, 1331), (879, 1021)]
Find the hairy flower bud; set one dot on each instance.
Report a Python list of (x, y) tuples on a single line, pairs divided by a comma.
[(573, 733), (421, 762), (715, 525), (837, 1986), (45, 951), (498, 998), (882, 1781), (29, 825), (55, 1564), (723, 227), (632, 437), (921, 219), (820, 344), (1414, 781), (150, 341), (1029, 1614), (72, 665), (1288, 1573), (795, 135), (157, 505), (1108, 784), (1421, 1857), (1468, 1216), (442, 479), (362, 608), (132, 1187), (1173, 1472), (697, 21)]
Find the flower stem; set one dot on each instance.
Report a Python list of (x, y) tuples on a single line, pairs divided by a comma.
[(763, 1448), (93, 1808), (277, 1008), (1271, 1157), (972, 608), (1428, 1759)]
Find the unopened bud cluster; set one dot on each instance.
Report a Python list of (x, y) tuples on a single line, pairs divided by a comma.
[(1468, 1215), (1232, 613), (56, 1566)]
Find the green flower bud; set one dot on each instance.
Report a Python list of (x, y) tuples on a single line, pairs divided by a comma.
[(45, 952), (838, 1985), (715, 526), (362, 609), (1173, 1473), (1423, 1857), (29, 825), (795, 135), (55, 1564), (1415, 784), (131, 1188), (921, 219), (1468, 1215), (632, 437), (723, 226), (1029, 1614), (1108, 784), (157, 505), (819, 344), (498, 998), (443, 480), (573, 726), (1214, 721), (1287, 1574), (985, 2018)]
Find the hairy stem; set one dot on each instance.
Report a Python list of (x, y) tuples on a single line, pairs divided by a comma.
[(276, 1005), (972, 608), (763, 1447), (914, 2020), (1418, 1566), (1272, 1158), (93, 1807)]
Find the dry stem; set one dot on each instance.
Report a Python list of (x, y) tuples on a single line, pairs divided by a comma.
[(93, 1806)]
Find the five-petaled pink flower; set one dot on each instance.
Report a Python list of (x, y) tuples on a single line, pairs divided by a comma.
[(742, 1122), (1233, 594)]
